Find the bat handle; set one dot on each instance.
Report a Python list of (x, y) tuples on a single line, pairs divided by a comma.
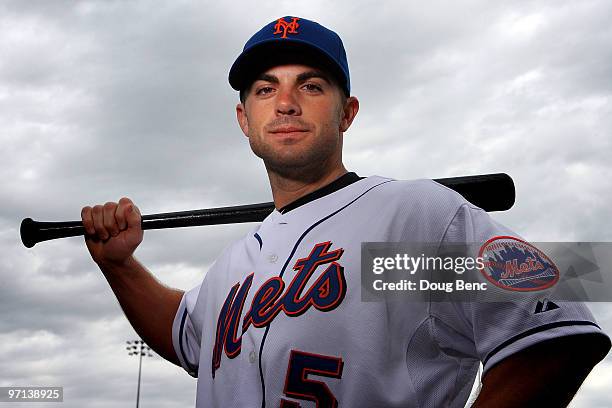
[(33, 232)]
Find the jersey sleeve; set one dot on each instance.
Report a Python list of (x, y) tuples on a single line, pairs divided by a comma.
[(185, 338), (492, 331)]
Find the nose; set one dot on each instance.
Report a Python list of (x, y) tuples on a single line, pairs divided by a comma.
[(287, 102)]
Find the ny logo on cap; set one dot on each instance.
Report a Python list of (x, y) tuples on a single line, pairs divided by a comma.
[(286, 27)]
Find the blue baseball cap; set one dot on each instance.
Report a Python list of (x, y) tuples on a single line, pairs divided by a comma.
[(291, 39)]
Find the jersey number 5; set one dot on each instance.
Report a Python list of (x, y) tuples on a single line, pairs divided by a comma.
[(299, 386)]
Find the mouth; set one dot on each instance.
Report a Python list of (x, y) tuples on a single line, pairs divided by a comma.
[(288, 131)]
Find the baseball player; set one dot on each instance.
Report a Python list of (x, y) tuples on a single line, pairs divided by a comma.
[(278, 320)]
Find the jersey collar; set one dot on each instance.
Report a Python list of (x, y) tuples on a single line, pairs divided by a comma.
[(339, 183)]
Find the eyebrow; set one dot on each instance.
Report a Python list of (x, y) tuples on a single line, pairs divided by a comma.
[(304, 76)]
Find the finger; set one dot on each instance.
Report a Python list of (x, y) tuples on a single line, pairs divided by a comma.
[(133, 216), (110, 222), (98, 220), (124, 202), (87, 218)]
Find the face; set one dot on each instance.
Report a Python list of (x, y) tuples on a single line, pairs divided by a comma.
[(294, 117)]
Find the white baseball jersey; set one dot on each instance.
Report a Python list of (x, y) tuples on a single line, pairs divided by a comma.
[(279, 321)]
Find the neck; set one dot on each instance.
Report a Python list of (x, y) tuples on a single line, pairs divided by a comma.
[(287, 188)]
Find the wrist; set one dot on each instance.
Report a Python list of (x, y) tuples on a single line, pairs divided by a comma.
[(114, 267)]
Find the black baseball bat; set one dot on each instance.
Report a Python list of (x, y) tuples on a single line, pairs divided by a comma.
[(491, 192)]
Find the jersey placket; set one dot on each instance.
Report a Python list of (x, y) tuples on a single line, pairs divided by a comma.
[(275, 237)]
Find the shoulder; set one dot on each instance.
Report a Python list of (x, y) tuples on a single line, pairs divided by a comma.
[(415, 209), (423, 196)]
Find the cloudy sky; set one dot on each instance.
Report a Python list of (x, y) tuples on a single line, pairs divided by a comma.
[(104, 99)]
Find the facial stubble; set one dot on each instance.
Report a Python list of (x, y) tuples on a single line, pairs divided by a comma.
[(301, 161)]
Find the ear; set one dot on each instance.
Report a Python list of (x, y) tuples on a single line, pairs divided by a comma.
[(349, 111), (243, 120)]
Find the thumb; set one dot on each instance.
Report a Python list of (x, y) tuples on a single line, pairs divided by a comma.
[(132, 217)]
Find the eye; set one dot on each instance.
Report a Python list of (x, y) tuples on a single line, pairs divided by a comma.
[(264, 90), (312, 87)]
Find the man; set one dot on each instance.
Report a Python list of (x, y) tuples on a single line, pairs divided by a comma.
[(278, 320)]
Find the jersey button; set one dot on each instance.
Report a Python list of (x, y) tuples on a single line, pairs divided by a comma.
[(272, 258), (252, 356)]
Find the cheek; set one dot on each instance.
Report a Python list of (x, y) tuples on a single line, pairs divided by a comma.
[(328, 115), (253, 123)]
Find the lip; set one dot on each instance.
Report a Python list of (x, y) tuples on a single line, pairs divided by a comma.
[(288, 129)]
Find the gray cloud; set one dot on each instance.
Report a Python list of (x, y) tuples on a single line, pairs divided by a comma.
[(100, 100)]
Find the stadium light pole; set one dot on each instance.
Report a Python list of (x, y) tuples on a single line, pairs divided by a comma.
[(140, 349)]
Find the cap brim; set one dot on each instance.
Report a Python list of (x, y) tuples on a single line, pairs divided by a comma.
[(272, 52)]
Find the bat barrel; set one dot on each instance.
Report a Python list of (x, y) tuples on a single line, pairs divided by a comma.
[(492, 192)]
